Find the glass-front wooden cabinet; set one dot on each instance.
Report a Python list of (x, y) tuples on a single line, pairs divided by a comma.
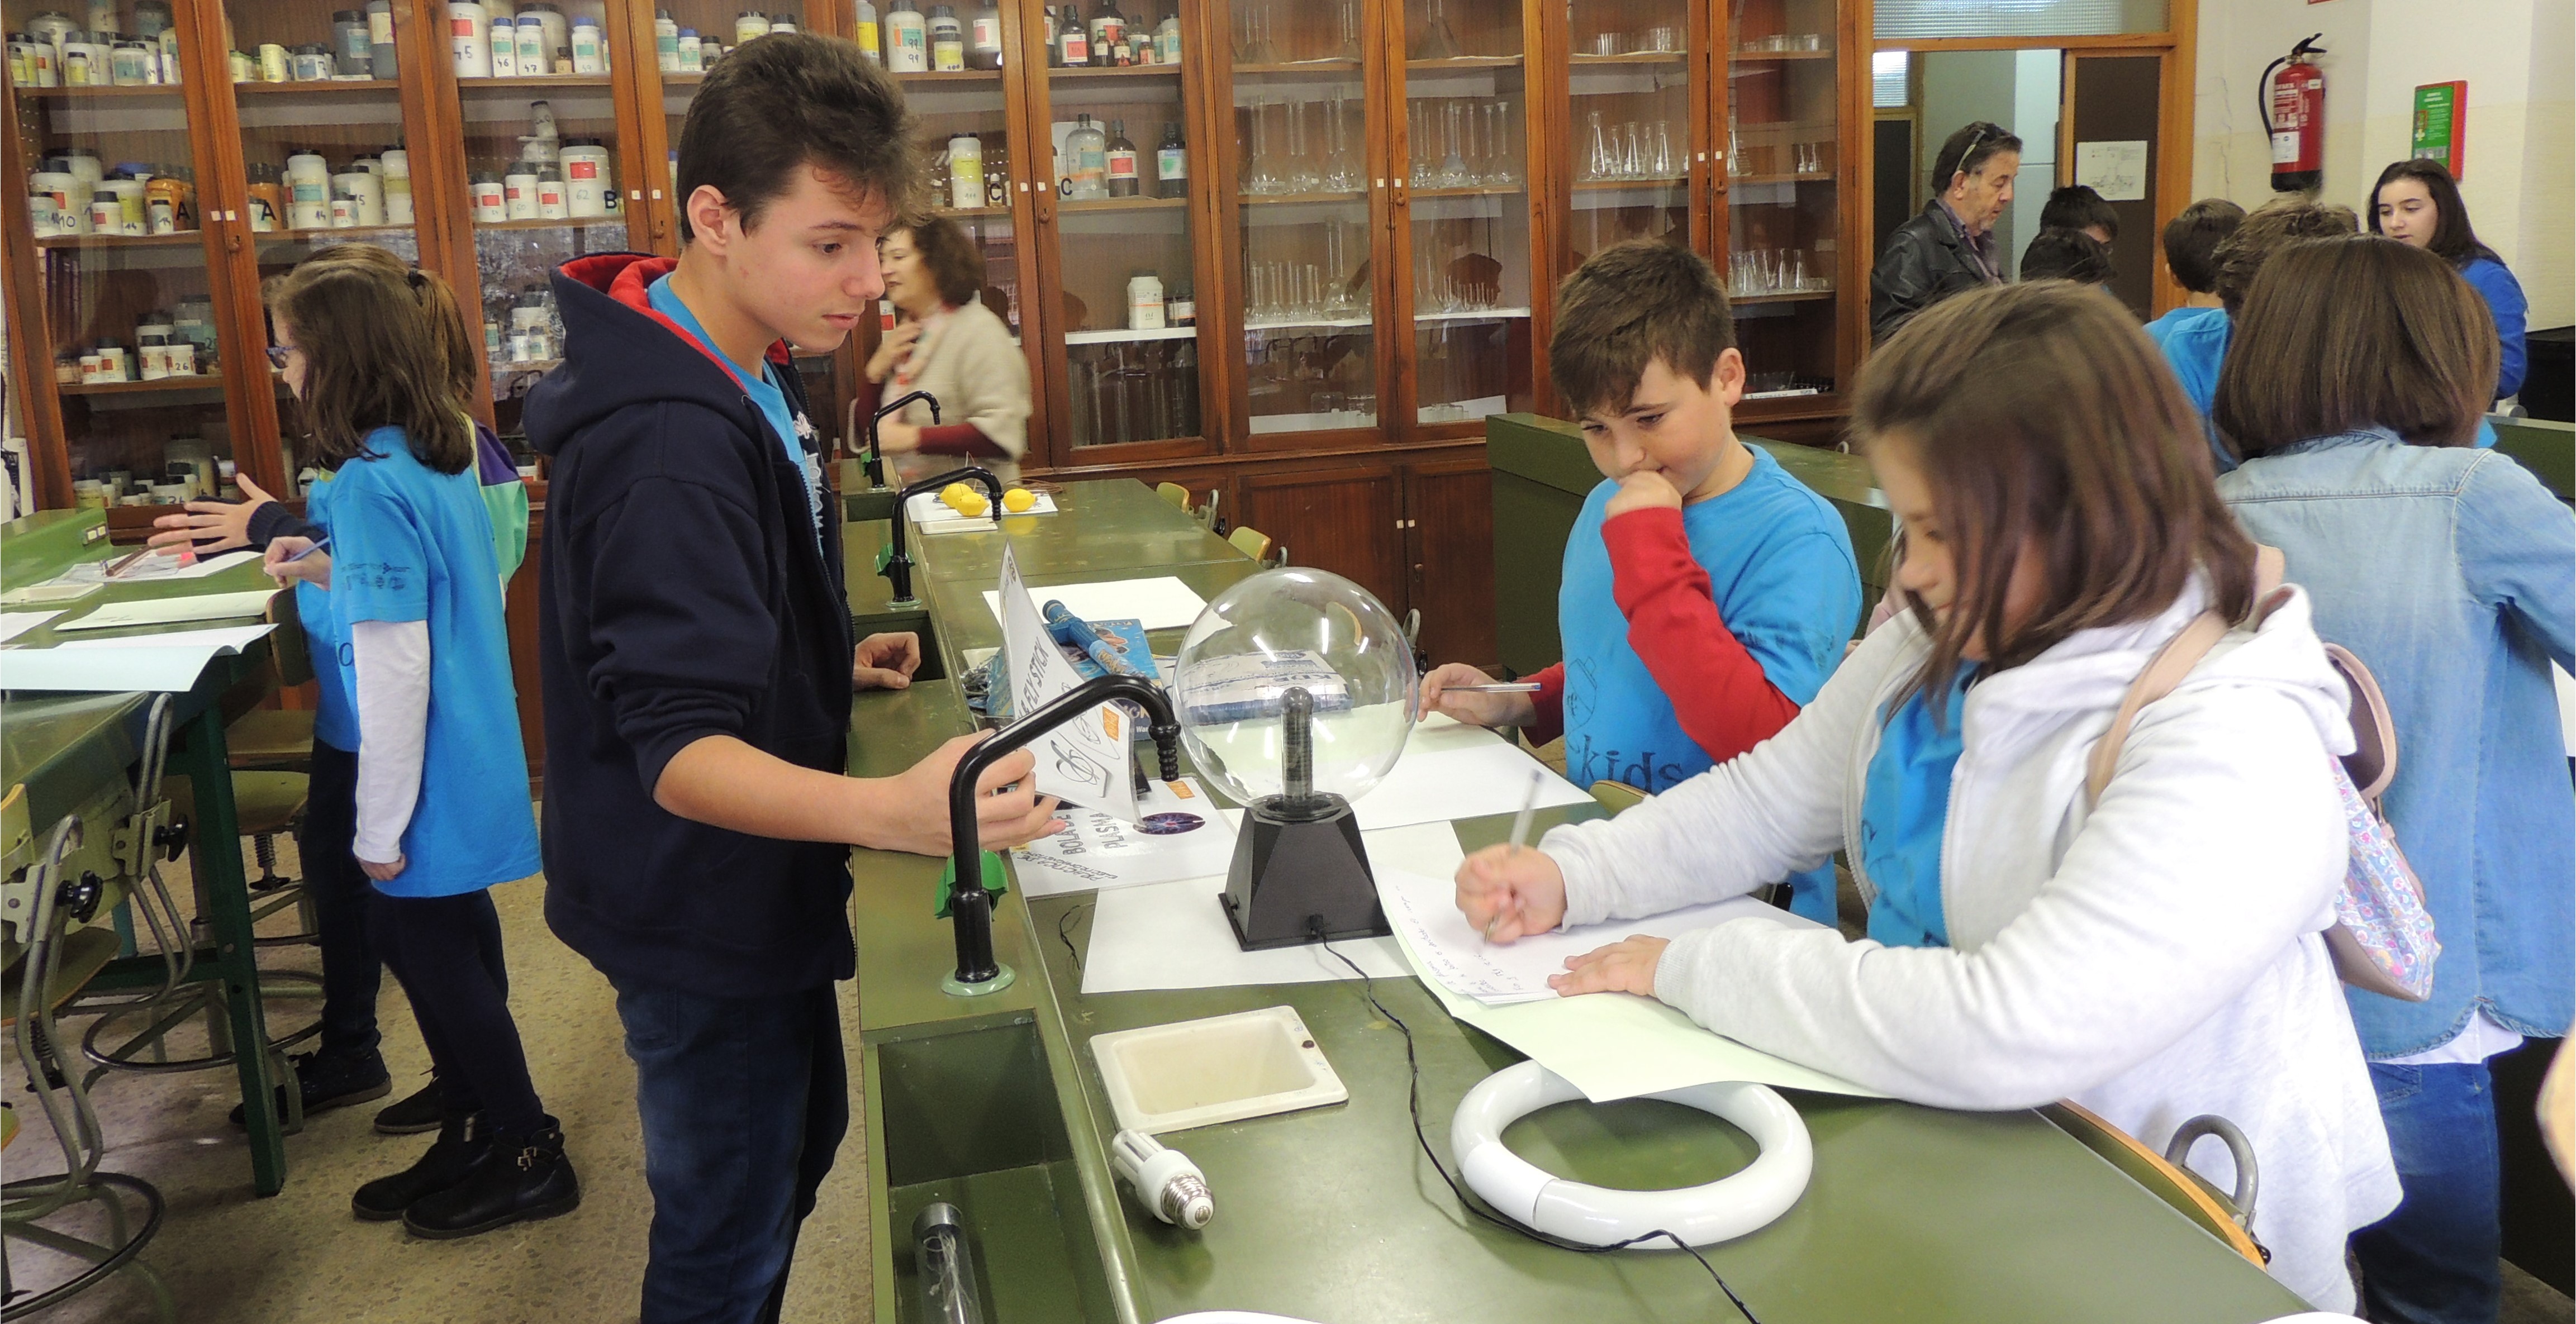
[(1634, 116), (1792, 284)]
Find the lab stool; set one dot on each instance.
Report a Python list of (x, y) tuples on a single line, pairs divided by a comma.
[(2225, 1215), (48, 963)]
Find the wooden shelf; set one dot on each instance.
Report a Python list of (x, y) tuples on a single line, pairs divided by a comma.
[(1496, 314), (1121, 336), (972, 212), (959, 76), (1793, 296), (1114, 71), (204, 381), (291, 236), (1119, 204), (1739, 57), (1300, 67), (1632, 57), (1465, 62), (542, 223), (262, 88), (600, 81), (183, 237), (1470, 191), (1276, 199), (100, 90), (1660, 181), (1821, 177)]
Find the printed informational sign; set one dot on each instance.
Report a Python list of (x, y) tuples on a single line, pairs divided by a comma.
[(2441, 124), (1086, 761)]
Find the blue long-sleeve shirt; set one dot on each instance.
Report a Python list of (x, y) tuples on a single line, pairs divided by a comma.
[(2504, 299)]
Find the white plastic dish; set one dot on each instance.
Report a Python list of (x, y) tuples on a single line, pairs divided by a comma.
[(1164, 1078)]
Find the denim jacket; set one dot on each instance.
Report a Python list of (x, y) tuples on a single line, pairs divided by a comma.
[(2451, 573)]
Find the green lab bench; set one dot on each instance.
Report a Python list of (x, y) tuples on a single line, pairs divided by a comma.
[(2546, 447), (994, 1104)]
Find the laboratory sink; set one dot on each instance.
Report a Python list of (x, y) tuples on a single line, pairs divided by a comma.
[(971, 1119)]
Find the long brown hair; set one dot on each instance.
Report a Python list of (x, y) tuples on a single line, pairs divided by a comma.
[(2041, 416), (2355, 332), (437, 302), (372, 359)]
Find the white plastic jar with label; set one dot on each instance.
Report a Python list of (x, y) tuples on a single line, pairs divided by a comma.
[(519, 189), (308, 192), (587, 186)]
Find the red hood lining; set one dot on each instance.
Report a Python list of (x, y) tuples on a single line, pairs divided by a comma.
[(628, 278)]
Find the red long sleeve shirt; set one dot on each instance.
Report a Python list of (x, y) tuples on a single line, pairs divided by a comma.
[(1726, 703)]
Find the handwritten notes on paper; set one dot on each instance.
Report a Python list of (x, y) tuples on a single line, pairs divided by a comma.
[(2116, 170), (1086, 761)]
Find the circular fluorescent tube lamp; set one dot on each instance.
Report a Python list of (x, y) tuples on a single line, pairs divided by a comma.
[(1597, 1216)]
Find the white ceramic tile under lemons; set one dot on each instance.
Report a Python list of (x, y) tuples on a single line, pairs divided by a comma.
[(1164, 1078)]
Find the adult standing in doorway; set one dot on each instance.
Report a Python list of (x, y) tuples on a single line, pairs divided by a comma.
[(1950, 247), (2417, 203), (952, 346)]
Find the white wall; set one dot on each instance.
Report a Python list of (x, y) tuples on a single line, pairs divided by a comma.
[(2519, 57)]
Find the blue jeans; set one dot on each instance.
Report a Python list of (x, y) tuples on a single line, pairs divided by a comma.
[(2434, 1261), (744, 1102)]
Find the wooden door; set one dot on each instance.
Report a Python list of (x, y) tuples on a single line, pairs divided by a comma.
[(1449, 541), (1340, 519), (2115, 99)]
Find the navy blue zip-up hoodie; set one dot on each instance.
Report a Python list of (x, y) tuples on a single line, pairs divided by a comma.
[(684, 595)]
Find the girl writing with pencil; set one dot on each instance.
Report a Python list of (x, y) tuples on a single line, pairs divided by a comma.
[(2154, 955), (410, 590)]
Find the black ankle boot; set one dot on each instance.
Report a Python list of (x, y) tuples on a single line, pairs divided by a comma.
[(519, 1178), (461, 1142)]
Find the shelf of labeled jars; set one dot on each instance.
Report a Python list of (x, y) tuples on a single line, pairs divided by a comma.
[(172, 240), (1138, 203), (202, 381), (552, 223), (540, 81), (291, 235), (104, 90), (261, 88)]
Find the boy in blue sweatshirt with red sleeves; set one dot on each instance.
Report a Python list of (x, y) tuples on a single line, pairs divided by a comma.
[(698, 664)]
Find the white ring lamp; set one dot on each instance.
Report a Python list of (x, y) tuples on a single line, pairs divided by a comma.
[(1596, 1216)]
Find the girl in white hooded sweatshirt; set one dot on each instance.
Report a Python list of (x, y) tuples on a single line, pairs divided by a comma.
[(2153, 957)]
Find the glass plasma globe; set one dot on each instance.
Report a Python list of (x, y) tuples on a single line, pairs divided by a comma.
[(1294, 628)]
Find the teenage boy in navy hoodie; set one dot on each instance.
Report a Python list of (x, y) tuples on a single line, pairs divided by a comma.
[(698, 663)]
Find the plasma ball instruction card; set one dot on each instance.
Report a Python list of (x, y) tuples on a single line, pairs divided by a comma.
[(1178, 834)]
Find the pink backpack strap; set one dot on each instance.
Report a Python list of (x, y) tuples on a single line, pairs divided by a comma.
[(2173, 662)]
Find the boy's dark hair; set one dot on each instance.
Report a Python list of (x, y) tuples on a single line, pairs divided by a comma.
[(2355, 332), (373, 358), (792, 100), (2267, 230), (955, 264), (1627, 306), (2078, 207), (2039, 417), (1968, 150), (2453, 237), (2192, 238), (2063, 253)]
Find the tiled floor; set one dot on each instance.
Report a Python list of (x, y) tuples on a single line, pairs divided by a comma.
[(227, 1255)]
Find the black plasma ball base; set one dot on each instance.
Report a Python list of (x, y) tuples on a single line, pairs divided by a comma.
[(1299, 870)]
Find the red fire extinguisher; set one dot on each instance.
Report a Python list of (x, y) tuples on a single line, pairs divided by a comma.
[(2294, 113)]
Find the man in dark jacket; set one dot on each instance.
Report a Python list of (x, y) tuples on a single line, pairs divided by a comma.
[(698, 664), (1949, 248)]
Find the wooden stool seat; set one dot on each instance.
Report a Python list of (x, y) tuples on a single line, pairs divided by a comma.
[(274, 738)]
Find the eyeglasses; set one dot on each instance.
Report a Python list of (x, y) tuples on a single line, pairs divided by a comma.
[(277, 355)]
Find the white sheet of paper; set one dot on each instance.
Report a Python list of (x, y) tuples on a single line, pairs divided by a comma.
[(1425, 909), (47, 594), (15, 623), (1620, 1046), (1086, 761), (2116, 170), (150, 569), (170, 611), (167, 662), (1175, 935), (1161, 601), (1179, 834), (928, 511), (1458, 772)]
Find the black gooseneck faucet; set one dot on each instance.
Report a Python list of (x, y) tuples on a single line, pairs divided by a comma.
[(876, 451), (898, 565), (970, 906)]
